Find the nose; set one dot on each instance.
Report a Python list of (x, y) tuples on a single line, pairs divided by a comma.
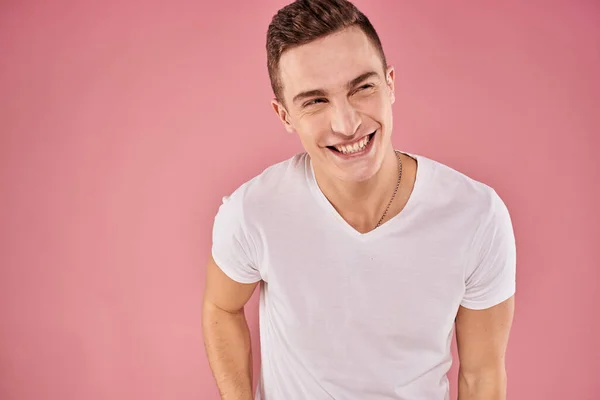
[(345, 120)]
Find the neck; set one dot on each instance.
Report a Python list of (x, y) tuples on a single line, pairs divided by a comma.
[(362, 204)]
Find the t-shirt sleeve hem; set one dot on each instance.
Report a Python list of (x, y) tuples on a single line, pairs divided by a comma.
[(488, 303), (230, 272)]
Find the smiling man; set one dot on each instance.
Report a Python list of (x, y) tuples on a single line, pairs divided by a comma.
[(368, 258)]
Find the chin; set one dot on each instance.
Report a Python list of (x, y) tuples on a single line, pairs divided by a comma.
[(357, 174)]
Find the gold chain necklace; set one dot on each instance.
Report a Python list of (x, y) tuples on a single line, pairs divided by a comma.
[(395, 190)]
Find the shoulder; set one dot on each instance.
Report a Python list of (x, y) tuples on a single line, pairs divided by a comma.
[(267, 187), (453, 193), (453, 186)]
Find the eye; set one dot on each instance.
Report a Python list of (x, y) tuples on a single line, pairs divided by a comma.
[(363, 87), (313, 102)]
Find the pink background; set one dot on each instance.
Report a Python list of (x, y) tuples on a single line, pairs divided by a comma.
[(124, 122)]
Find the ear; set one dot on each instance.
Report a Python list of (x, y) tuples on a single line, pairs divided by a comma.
[(283, 115), (390, 77)]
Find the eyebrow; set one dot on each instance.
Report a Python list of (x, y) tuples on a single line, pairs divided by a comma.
[(321, 92)]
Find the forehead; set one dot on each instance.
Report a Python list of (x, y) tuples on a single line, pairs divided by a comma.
[(328, 63)]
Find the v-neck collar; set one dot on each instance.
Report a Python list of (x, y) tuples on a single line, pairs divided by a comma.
[(413, 200)]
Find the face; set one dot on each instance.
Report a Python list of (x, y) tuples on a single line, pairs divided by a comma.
[(338, 99)]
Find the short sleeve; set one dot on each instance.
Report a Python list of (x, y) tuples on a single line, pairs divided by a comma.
[(232, 248), (491, 276)]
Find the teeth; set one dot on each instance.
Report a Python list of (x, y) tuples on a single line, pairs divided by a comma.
[(356, 147)]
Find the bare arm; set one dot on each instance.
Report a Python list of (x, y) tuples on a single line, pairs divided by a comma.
[(226, 334), (482, 337)]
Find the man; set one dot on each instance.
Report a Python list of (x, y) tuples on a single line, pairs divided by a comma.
[(368, 258)]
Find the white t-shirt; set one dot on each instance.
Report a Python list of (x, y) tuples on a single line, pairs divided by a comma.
[(351, 316)]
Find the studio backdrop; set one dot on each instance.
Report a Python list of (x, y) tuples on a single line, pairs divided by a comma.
[(123, 123)]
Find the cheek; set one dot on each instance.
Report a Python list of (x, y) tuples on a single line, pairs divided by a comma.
[(376, 107), (313, 129), (310, 138), (385, 107)]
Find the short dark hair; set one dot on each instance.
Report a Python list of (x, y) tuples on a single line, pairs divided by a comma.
[(304, 21)]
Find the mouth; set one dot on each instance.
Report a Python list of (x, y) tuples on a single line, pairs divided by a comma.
[(357, 148)]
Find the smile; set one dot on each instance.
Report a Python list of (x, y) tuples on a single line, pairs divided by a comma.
[(353, 148)]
